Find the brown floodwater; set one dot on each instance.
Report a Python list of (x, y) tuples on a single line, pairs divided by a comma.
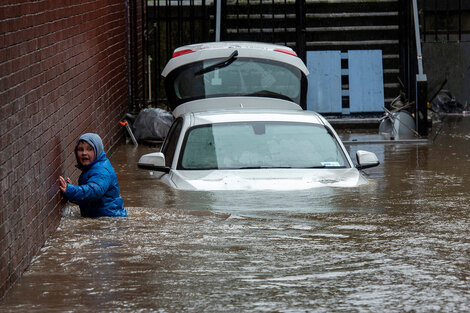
[(398, 244)]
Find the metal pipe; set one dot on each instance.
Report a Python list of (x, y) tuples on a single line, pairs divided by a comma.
[(421, 82), (149, 65), (417, 38), (217, 19)]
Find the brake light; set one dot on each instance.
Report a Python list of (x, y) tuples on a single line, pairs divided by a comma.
[(286, 51), (182, 52)]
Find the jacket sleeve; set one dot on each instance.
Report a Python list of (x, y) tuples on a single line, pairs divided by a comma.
[(92, 190)]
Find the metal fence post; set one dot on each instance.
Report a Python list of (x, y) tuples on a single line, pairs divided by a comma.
[(405, 49), (421, 104), (220, 20), (300, 29), (421, 80), (218, 17)]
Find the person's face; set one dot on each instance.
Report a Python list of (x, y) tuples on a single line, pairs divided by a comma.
[(85, 153)]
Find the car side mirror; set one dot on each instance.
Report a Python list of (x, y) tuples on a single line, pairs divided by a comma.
[(366, 159), (153, 161)]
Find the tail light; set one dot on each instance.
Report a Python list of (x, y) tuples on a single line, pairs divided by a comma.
[(286, 51), (182, 52)]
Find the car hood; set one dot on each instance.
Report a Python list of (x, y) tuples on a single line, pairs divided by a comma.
[(265, 179)]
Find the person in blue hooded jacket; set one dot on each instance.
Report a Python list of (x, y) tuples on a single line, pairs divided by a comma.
[(97, 193)]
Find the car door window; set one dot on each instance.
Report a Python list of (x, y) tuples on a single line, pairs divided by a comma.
[(169, 147)]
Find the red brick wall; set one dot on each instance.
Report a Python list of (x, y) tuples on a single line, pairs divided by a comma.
[(62, 73)]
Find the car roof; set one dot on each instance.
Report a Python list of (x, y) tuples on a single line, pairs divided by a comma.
[(234, 103), (247, 110), (255, 115), (211, 50)]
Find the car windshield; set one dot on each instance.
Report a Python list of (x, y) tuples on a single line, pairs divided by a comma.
[(260, 145), (235, 76)]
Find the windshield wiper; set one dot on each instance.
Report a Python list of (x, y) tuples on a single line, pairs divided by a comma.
[(326, 166), (218, 65), (271, 94)]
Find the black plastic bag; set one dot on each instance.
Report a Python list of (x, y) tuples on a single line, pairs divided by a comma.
[(152, 124), (445, 102)]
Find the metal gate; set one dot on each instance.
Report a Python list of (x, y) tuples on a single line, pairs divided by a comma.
[(168, 24), (157, 27)]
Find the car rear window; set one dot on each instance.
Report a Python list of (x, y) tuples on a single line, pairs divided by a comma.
[(241, 77)]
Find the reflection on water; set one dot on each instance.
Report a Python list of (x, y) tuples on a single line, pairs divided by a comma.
[(398, 244)]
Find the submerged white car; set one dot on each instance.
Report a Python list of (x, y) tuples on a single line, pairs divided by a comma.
[(240, 124)]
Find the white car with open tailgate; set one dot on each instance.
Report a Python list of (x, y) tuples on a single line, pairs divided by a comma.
[(241, 124)]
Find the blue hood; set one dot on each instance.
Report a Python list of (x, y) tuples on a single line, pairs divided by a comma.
[(93, 140)]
